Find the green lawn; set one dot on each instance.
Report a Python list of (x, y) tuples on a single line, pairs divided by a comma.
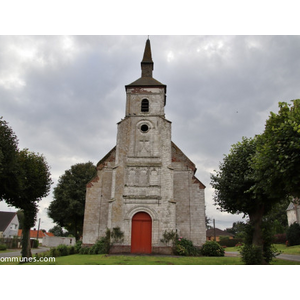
[(280, 247), (288, 250), (79, 259), (9, 250), (102, 259)]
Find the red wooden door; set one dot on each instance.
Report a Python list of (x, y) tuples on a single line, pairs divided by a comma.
[(141, 233)]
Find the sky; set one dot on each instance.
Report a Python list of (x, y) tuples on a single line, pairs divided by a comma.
[(63, 95)]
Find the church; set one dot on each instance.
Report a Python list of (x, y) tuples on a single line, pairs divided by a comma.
[(145, 185)]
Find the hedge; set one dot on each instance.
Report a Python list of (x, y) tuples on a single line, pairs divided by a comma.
[(230, 242)]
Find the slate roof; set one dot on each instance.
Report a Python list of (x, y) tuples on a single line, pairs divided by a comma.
[(5, 219), (146, 80)]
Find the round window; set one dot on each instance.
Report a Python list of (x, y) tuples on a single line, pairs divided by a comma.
[(144, 128)]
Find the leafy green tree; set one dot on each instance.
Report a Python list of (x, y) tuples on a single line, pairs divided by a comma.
[(207, 222), (233, 185), (278, 217), (8, 161), (57, 230), (237, 229), (35, 185), (277, 160), (24, 180), (67, 208)]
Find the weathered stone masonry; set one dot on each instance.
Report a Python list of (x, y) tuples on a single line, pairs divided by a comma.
[(145, 172)]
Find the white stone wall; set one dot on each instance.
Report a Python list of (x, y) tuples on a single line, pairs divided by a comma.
[(292, 215), (143, 179), (54, 241), (153, 94), (145, 173), (189, 195), (98, 197)]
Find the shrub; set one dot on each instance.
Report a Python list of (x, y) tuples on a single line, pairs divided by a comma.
[(78, 246), (169, 236), (280, 238), (35, 243), (63, 250), (3, 247), (224, 237), (117, 236), (42, 254), (293, 234), (102, 246), (54, 252), (229, 242), (212, 248), (71, 250), (84, 250), (185, 247), (251, 255)]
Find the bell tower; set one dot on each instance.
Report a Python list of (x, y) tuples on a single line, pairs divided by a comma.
[(143, 177), (146, 96)]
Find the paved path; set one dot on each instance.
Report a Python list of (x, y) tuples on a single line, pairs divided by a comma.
[(281, 256), (17, 252), (289, 257)]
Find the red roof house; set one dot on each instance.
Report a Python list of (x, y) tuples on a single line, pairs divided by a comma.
[(34, 234)]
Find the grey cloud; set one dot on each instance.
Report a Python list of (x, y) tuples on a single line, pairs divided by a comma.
[(219, 88)]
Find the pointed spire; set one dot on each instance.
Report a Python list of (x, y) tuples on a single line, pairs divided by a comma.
[(147, 53), (147, 63)]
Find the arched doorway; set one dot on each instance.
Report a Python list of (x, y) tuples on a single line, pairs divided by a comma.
[(141, 233)]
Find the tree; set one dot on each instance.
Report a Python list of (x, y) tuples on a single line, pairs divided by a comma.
[(207, 222), (277, 160), (35, 179), (278, 216), (8, 161), (67, 208), (234, 188), (237, 229), (24, 180), (57, 230)]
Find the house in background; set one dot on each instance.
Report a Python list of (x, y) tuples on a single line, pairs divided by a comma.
[(9, 224), (36, 234), (293, 213), (216, 234)]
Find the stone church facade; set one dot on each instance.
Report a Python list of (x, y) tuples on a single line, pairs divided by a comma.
[(145, 185)]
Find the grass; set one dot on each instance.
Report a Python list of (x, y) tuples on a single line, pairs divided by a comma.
[(103, 259), (288, 250), (9, 250), (280, 247)]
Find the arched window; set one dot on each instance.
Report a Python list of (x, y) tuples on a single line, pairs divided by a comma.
[(145, 105)]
